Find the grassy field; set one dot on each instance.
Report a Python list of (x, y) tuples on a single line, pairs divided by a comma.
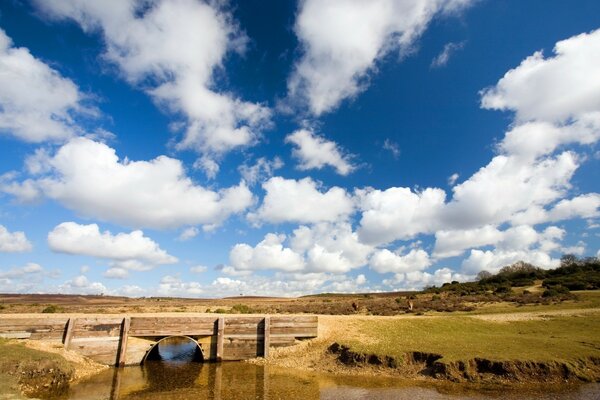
[(553, 338)]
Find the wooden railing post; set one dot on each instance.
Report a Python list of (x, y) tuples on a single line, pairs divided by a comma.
[(123, 344), (267, 337), (69, 333), (220, 337)]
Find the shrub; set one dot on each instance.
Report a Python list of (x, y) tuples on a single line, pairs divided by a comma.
[(555, 291), (51, 309), (241, 309)]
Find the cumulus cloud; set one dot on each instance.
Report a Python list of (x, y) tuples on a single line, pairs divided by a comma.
[(174, 286), (89, 178), (454, 243), (289, 200), (82, 285), (552, 89), (36, 103), (398, 213), (493, 260), (129, 249), (384, 261), (416, 280), (188, 233), (24, 279), (268, 254), (343, 40), (320, 248), (316, 152), (261, 170), (171, 50), (13, 242), (328, 247), (21, 272)]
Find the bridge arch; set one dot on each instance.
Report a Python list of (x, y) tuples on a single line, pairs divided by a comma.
[(154, 347)]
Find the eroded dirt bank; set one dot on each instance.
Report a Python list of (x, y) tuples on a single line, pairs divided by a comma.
[(328, 353), (40, 370)]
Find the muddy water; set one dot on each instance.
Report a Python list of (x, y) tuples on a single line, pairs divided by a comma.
[(176, 376)]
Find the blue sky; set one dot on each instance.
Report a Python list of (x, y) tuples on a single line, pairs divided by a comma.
[(186, 148)]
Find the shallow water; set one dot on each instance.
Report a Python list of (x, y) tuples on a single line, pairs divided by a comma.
[(177, 377)]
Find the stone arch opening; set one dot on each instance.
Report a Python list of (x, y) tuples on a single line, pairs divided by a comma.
[(175, 349)]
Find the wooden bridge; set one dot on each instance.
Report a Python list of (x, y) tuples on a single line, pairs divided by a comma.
[(127, 340)]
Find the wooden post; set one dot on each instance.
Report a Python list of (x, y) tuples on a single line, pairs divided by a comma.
[(267, 337), (220, 337), (69, 333), (123, 347)]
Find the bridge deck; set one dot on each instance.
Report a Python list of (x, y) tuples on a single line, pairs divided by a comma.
[(126, 339)]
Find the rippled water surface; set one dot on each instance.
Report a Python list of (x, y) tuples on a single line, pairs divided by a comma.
[(177, 377)]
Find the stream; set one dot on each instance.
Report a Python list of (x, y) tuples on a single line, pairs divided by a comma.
[(174, 375)]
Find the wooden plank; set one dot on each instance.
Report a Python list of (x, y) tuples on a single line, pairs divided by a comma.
[(297, 318), (172, 332), (69, 332), (123, 344), (220, 337), (16, 335), (267, 337)]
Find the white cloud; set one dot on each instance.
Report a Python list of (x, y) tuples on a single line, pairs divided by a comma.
[(329, 247), (361, 279), (36, 103), (320, 248), (174, 286), (261, 170), (392, 147), (171, 49), (453, 178), (72, 238), (316, 152), (13, 242), (198, 269), (22, 272), (509, 185), (449, 49), (493, 260), (343, 40), (398, 213), (82, 285), (416, 280), (552, 89), (25, 279), (189, 233), (454, 243), (578, 249), (289, 200), (384, 261), (116, 273), (268, 254), (89, 178)]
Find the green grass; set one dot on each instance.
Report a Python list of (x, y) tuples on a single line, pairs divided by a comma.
[(585, 299), (16, 359), (464, 338)]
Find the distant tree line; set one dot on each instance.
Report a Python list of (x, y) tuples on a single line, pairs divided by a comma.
[(573, 274)]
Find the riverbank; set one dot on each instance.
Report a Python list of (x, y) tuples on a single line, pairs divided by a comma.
[(35, 369), (551, 346)]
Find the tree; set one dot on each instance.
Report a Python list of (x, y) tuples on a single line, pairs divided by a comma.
[(484, 275), (568, 260)]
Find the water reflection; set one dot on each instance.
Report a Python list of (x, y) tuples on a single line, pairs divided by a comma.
[(174, 376), (237, 381)]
